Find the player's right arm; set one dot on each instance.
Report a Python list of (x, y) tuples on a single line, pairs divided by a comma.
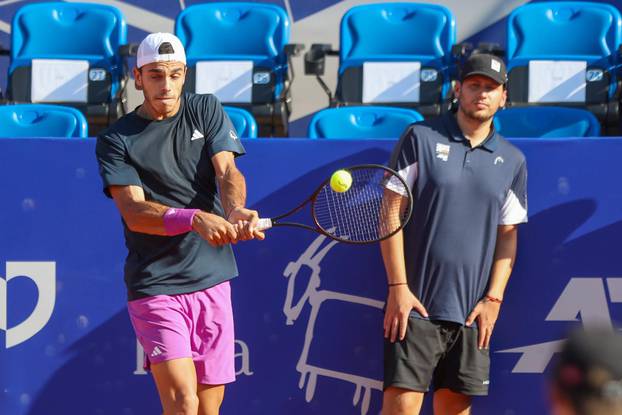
[(400, 300), (122, 183), (145, 216)]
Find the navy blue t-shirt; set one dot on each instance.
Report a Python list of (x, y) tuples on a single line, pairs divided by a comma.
[(461, 195), (171, 161)]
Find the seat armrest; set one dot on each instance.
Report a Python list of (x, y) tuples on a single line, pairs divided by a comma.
[(461, 50), (491, 48), (130, 49), (315, 58), (294, 49)]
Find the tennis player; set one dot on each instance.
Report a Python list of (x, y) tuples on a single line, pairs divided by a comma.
[(170, 168), (448, 269)]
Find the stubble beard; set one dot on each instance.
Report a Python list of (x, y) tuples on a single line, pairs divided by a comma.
[(481, 116)]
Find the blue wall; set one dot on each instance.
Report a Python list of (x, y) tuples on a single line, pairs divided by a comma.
[(83, 359)]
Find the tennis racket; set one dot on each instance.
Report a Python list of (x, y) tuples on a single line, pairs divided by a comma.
[(376, 206)]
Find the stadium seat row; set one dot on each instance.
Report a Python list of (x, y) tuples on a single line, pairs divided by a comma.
[(397, 62), (563, 62), (45, 120), (76, 54)]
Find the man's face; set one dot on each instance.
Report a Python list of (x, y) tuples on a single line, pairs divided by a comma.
[(480, 97), (161, 83)]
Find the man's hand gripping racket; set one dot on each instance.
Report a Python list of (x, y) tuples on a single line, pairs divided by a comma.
[(375, 205)]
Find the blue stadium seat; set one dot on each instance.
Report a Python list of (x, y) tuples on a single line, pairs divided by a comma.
[(89, 38), (565, 53), (546, 122), (240, 52), (243, 121), (41, 120), (415, 37), (362, 122)]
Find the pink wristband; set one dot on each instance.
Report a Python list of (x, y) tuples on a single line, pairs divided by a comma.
[(178, 221)]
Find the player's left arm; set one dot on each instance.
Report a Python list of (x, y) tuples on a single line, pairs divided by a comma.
[(232, 186), (512, 213), (487, 310), (503, 261)]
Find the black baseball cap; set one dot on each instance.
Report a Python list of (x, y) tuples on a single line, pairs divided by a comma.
[(486, 65)]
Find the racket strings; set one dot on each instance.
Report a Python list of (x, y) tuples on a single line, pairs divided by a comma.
[(372, 209)]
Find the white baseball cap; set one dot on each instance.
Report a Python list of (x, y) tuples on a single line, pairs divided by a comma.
[(160, 47)]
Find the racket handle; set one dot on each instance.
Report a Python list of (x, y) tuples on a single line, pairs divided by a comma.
[(263, 224)]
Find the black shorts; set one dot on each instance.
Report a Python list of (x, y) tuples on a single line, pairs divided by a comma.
[(440, 354)]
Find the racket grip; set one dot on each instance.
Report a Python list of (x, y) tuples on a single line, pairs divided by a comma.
[(263, 224)]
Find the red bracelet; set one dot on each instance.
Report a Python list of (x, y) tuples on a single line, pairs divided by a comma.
[(493, 299), (393, 284)]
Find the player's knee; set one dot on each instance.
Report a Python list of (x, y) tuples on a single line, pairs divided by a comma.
[(449, 402), (186, 403), (398, 401), (210, 408)]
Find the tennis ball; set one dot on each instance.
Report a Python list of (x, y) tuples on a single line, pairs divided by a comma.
[(340, 181)]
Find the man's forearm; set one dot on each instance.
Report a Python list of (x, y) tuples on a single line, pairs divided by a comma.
[(232, 190), (503, 262), (145, 217), (392, 250), (139, 214), (151, 217)]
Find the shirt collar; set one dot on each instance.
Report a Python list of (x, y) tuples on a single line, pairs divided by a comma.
[(455, 134)]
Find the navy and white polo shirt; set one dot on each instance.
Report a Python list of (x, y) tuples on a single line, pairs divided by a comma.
[(461, 194)]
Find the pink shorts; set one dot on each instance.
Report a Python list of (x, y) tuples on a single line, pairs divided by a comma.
[(197, 325)]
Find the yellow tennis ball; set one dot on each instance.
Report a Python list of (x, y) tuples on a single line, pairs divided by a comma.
[(340, 181)]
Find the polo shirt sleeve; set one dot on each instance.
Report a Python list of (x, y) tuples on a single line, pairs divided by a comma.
[(114, 166), (514, 210), (404, 159), (221, 135)]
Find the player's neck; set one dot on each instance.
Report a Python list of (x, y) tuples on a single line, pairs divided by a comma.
[(474, 130), (148, 112)]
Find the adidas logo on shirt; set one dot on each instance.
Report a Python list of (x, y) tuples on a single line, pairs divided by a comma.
[(156, 352), (196, 135)]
